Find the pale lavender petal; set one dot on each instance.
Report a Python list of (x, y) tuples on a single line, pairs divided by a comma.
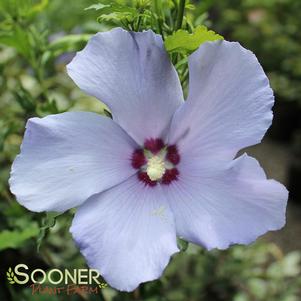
[(216, 205), (127, 233), (229, 103), (68, 157), (131, 73)]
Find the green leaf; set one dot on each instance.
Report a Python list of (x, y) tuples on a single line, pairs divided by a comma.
[(115, 17), (189, 6), (183, 41), (40, 6), (17, 38), (113, 8), (15, 239), (182, 244), (47, 223), (291, 264), (49, 107), (22, 8), (25, 100), (96, 6), (114, 12), (69, 43)]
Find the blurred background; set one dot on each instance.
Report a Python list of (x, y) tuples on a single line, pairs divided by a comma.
[(37, 40)]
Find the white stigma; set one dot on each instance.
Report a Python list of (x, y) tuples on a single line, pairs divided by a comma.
[(155, 168)]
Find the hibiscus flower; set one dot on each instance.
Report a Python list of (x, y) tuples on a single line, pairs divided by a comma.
[(162, 167)]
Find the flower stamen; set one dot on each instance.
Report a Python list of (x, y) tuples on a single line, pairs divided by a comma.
[(156, 162), (155, 168)]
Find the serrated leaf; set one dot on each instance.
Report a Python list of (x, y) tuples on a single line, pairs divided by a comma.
[(183, 41), (114, 12), (115, 17)]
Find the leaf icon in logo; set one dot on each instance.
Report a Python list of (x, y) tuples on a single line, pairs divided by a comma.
[(10, 276)]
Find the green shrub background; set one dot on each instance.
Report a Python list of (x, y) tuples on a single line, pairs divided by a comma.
[(37, 39)]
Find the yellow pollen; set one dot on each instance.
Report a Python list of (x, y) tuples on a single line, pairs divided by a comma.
[(155, 168)]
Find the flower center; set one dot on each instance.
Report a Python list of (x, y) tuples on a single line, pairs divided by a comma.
[(156, 162), (155, 168)]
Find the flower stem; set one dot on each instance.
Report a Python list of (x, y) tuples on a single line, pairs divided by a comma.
[(159, 13), (180, 14), (136, 294)]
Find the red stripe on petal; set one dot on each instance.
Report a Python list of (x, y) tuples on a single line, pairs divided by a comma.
[(154, 145), (170, 175), (143, 177), (138, 158), (173, 154)]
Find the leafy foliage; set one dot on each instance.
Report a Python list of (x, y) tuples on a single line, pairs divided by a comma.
[(121, 14), (39, 37), (271, 28), (47, 223), (68, 43), (115, 12), (16, 238), (167, 18), (183, 41)]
